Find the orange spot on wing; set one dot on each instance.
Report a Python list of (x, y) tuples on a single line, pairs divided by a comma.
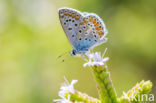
[(96, 24), (73, 16), (76, 17), (81, 23), (98, 28), (90, 19), (65, 13), (85, 21), (100, 34), (70, 14), (94, 21)]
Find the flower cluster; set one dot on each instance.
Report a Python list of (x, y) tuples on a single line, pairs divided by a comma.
[(96, 59), (66, 88)]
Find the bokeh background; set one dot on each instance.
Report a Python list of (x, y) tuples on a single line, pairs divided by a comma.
[(31, 39)]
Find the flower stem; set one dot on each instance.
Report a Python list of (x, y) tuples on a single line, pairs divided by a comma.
[(106, 89), (82, 98)]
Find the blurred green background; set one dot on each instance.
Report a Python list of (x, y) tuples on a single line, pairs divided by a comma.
[(31, 38)]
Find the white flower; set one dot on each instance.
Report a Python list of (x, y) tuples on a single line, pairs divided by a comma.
[(66, 88), (96, 59), (63, 100)]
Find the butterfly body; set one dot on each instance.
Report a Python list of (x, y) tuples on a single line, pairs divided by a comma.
[(83, 30)]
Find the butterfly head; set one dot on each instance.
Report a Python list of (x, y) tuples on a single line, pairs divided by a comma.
[(78, 53), (74, 52)]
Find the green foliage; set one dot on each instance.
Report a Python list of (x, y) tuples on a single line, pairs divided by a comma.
[(105, 87), (138, 93)]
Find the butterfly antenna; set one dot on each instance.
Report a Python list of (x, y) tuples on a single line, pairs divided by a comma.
[(63, 54), (64, 58)]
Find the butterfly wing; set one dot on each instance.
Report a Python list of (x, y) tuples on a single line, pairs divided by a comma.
[(70, 21), (91, 32), (83, 30)]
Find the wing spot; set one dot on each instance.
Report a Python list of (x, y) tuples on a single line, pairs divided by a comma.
[(69, 28), (81, 23), (85, 38), (70, 14), (85, 21), (69, 19), (64, 23), (77, 18), (96, 24), (66, 20), (90, 19), (65, 13), (98, 28), (95, 40), (73, 16), (79, 38), (100, 34), (94, 21), (80, 31), (75, 24), (73, 20), (72, 35)]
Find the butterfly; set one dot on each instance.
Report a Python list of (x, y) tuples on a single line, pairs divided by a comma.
[(83, 30)]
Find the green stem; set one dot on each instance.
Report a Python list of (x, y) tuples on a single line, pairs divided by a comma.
[(105, 87), (81, 98)]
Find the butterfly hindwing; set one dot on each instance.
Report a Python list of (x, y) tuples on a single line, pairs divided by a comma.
[(91, 31)]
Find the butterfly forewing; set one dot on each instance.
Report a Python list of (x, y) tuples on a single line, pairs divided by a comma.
[(70, 21)]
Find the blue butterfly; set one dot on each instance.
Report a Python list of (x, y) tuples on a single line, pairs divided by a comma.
[(83, 30)]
